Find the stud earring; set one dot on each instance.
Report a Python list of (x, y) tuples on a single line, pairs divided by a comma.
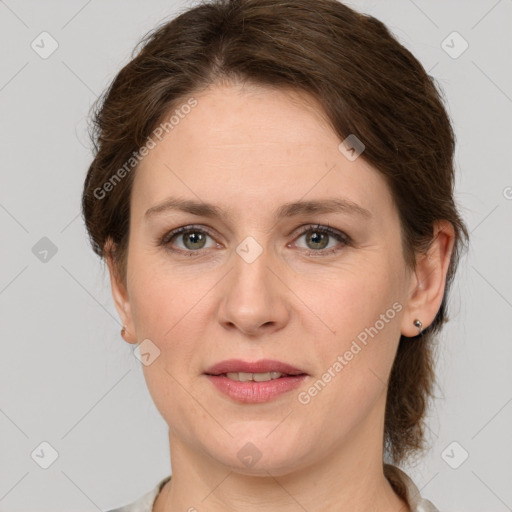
[(417, 323), (123, 332)]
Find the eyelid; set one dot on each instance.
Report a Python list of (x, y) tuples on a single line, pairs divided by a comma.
[(168, 236), (341, 236)]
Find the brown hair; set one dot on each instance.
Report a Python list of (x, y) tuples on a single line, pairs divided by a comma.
[(368, 84)]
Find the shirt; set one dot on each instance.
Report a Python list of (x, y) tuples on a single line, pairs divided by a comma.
[(398, 477)]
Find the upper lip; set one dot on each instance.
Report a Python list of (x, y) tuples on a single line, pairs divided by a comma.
[(260, 366)]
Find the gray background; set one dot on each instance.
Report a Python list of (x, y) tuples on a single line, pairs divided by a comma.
[(67, 377)]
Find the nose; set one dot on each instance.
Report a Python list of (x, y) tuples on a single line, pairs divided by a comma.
[(254, 296)]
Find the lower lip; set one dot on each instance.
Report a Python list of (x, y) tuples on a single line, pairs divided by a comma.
[(252, 392)]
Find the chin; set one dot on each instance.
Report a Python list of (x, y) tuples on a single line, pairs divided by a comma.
[(260, 456)]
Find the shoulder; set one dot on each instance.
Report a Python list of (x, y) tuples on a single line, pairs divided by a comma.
[(404, 486), (145, 502)]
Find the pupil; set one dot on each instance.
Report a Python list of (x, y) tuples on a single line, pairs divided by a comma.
[(315, 238), (195, 238)]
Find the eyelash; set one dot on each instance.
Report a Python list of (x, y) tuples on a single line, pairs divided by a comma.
[(343, 238)]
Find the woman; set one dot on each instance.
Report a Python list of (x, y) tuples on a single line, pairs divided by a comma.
[(272, 191)]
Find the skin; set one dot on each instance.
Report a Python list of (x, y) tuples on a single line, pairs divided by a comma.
[(249, 150)]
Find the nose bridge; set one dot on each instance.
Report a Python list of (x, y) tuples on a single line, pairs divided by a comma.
[(253, 295), (251, 267)]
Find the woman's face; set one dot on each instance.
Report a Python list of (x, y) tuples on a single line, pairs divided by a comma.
[(255, 279)]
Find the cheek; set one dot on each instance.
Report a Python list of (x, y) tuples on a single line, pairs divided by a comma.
[(168, 312), (173, 312), (162, 298), (346, 301), (355, 365), (359, 331)]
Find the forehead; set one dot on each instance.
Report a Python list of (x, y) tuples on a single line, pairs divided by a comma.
[(254, 144)]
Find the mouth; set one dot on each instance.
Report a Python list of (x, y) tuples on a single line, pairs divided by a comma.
[(255, 382)]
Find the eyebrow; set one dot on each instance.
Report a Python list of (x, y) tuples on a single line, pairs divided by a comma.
[(319, 206)]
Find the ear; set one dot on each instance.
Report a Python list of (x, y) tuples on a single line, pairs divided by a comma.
[(429, 280), (119, 294)]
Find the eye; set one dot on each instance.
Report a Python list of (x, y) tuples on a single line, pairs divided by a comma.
[(319, 238), (192, 238)]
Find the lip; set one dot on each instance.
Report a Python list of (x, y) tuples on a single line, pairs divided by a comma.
[(261, 366), (252, 392)]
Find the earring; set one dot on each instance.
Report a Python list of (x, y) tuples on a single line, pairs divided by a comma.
[(417, 323), (123, 332)]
